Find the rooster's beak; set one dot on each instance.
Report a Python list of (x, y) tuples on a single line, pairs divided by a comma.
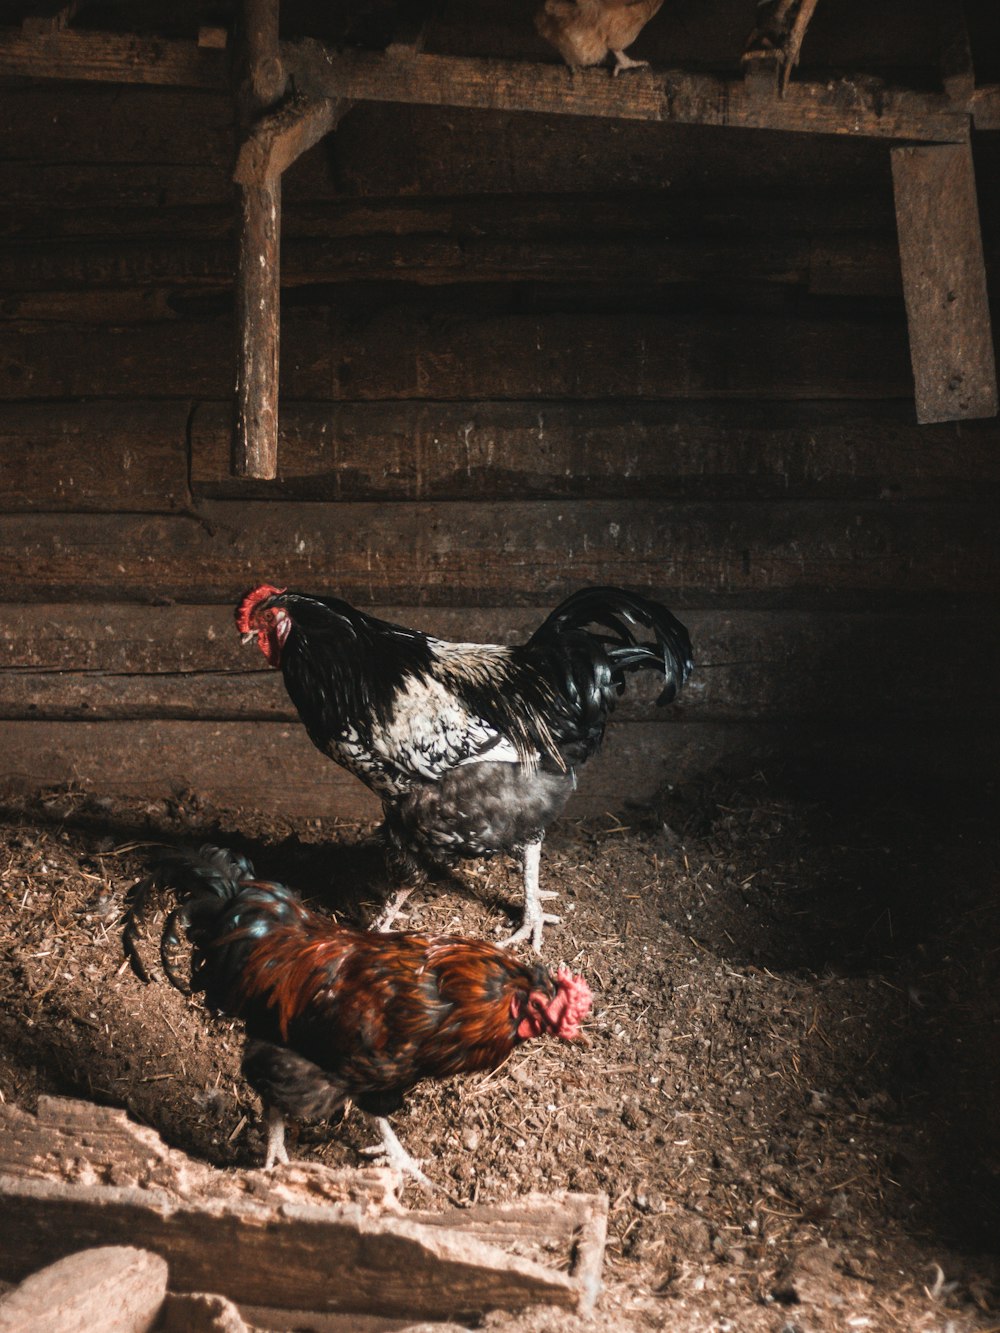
[(248, 637)]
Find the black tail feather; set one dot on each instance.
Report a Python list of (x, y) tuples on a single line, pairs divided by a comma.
[(619, 611), (211, 876)]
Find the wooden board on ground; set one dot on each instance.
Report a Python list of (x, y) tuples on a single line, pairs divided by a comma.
[(263, 1238)]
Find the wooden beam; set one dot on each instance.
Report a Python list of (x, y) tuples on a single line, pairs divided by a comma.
[(278, 139), (270, 1247), (852, 107), (260, 83), (944, 282), (111, 57)]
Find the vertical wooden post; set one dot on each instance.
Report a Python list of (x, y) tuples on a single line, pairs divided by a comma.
[(260, 83), (944, 282)]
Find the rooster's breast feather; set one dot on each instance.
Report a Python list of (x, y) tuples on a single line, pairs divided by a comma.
[(472, 703)]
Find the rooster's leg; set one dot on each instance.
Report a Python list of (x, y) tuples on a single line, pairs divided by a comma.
[(622, 61), (534, 920), (275, 1139), (391, 911), (391, 1152)]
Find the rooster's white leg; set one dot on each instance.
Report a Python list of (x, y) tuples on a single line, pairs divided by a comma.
[(275, 1139), (622, 61), (534, 920), (388, 916), (390, 1152)]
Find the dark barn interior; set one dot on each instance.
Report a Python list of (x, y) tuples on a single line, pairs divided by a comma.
[(717, 331)]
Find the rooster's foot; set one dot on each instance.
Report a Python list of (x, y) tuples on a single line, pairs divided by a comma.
[(532, 926), (391, 910), (622, 61), (275, 1139), (390, 1152)]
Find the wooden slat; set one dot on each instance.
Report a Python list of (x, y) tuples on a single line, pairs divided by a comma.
[(466, 554), (944, 281), (272, 767), (179, 239), (674, 97), (826, 264), (96, 456), (427, 261), (423, 351), (111, 58), (599, 450), (834, 671), (746, 659)]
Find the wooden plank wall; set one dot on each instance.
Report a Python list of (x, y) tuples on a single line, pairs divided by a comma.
[(517, 356)]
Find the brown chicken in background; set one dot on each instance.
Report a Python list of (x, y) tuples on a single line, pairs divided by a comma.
[(333, 1014), (584, 31)]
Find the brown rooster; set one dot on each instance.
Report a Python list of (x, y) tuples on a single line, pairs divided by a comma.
[(584, 31), (332, 1013)]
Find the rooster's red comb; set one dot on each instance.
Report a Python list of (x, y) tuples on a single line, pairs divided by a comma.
[(571, 1004), (250, 603)]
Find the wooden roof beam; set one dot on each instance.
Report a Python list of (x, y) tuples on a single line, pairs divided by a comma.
[(278, 139), (858, 107), (944, 282)]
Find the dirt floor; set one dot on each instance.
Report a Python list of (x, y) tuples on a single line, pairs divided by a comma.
[(789, 1083)]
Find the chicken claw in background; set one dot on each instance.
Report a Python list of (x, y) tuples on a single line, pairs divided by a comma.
[(584, 31), (473, 748), (331, 1013)]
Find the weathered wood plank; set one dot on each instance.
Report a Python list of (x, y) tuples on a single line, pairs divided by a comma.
[(123, 639), (674, 96), (449, 553), (210, 1224), (111, 57), (278, 139), (835, 107), (93, 456), (828, 264), (272, 767), (944, 281), (510, 450), (420, 350), (751, 666), (423, 260)]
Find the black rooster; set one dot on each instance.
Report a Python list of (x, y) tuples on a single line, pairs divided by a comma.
[(473, 748)]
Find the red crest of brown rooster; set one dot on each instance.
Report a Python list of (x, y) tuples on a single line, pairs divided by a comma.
[(473, 748), (332, 1013)]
